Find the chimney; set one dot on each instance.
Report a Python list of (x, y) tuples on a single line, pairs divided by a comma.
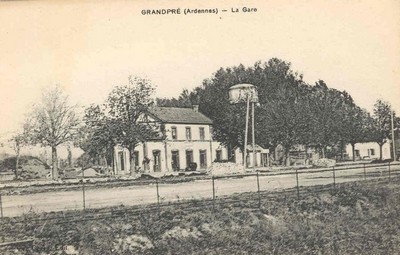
[(196, 107)]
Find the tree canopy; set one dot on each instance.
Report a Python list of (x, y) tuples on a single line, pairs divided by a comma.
[(290, 111), (121, 120)]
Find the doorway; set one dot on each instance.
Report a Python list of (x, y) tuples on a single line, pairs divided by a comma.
[(121, 160), (175, 160), (156, 160), (203, 159), (189, 158), (136, 159)]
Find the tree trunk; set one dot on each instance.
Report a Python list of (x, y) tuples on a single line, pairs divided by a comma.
[(113, 160), (323, 151), (132, 159), (342, 150), (229, 152), (69, 157), (353, 148), (287, 157), (380, 151), (16, 165), (306, 150), (146, 159), (54, 161)]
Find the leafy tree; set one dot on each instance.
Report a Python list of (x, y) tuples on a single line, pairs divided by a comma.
[(98, 136), (354, 125), (184, 100), (327, 107), (52, 122), (380, 130), (284, 117), (128, 107), (290, 112), (213, 99), (281, 116)]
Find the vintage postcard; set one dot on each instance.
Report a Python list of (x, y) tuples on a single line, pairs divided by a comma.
[(200, 127)]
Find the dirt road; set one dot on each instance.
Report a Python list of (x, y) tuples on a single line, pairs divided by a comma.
[(15, 205)]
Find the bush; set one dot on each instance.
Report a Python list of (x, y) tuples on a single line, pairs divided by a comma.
[(324, 162)]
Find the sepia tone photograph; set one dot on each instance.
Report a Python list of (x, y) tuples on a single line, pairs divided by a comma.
[(188, 127)]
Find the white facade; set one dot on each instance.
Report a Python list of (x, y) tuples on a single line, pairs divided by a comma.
[(170, 155), (185, 145), (368, 151)]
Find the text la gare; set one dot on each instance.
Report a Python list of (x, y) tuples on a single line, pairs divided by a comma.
[(244, 9)]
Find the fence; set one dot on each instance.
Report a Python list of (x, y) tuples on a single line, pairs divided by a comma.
[(159, 192)]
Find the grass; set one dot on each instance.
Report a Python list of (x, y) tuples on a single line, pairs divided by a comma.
[(358, 218)]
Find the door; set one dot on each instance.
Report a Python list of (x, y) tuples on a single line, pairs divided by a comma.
[(189, 158), (136, 159), (121, 160), (156, 160), (203, 159), (218, 157), (175, 160)]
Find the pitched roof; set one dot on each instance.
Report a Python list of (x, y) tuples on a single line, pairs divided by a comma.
[(179, 115)]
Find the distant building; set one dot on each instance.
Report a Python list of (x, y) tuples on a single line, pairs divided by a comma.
[(397, 142), (369, 151)]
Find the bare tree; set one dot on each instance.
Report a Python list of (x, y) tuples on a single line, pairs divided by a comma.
[(52, 122), (18, 141)]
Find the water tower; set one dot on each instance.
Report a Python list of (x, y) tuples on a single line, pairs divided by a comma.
[(246, 93)]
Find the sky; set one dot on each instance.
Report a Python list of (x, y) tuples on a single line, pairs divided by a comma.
[(88, 47)]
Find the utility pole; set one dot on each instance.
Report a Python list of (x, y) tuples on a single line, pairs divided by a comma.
[(393, 138), (253, 138), (246, 132)]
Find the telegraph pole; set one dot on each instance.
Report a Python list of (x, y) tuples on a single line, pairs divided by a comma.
[(246, 132), (393, 138), (253, 138)]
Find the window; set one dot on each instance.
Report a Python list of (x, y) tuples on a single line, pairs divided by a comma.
[(218, 156), (201, 131), (372, 152), (357, 152), (156, 160), (174, 133), (188, 134)]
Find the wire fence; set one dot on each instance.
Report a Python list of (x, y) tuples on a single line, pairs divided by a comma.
[(211, 191)]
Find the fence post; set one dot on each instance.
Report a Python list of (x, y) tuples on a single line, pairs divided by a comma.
[(1, 207), (158, 194), (213, 189), (365, 175), (258, 190), (334, 177), (389, 171), (83, 190), (297, 183)]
